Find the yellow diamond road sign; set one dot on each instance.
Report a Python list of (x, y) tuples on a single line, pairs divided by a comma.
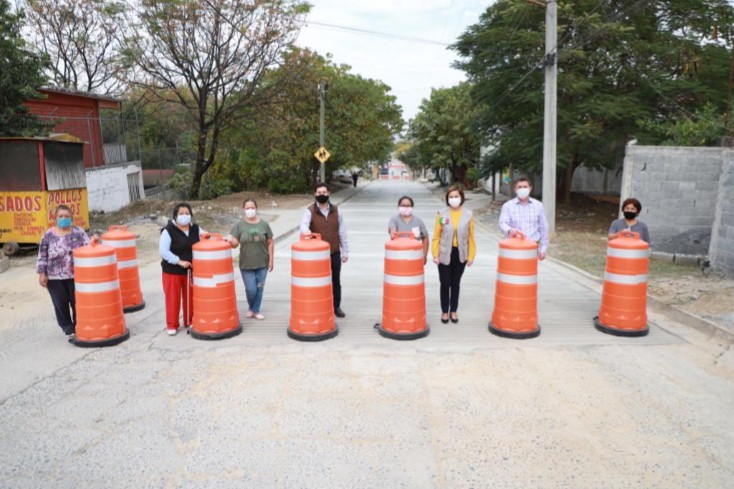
[(322, 155)]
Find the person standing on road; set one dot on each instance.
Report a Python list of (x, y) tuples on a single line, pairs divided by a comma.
[(175, 248), (324, 218), (631, 208), (355, 177), (526, 215), (405, 221), (55, 267), (255, 239), (453, 249)]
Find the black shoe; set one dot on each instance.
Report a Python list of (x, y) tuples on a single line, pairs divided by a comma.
[(339, 313), (454, 320), (445, 321)]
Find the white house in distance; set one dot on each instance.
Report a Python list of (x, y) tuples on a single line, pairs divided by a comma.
[(396, 170)]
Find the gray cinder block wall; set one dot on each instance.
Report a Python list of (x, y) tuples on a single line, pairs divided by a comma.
[(721, 251), (681, 190)]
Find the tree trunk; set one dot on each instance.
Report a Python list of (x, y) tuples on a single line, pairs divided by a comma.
[(200, 168), (565, 184)]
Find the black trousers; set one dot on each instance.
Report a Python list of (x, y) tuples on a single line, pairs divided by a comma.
[(336, 284), (450, 278), (62, 296)]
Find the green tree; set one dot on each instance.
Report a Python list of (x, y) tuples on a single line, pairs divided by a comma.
[(445, 134), (20, 75), (275, 145), (618, 63)]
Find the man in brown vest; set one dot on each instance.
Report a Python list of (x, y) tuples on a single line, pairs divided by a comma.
[(325, 218)]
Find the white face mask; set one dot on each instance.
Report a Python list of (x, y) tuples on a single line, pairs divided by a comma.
[(183, 219), (250, 213), (454, 202), (405, 211), (523, 193)]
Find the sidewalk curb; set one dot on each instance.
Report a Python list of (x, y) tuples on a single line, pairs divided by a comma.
[(658, 306)]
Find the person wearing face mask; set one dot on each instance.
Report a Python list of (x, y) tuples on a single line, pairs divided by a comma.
[(631, 208), (55, 267), (175, 247), (324, 218), (453, 249), (405, 221), (255, 239), (526, 215)]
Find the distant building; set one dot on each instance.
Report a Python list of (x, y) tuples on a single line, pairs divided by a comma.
[(112, 181)]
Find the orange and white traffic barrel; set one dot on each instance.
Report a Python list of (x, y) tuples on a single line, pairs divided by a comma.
[(214, 301), (404, 290), (516, 296), (123, 241), (99, 317), (312, 302), (623, 310)]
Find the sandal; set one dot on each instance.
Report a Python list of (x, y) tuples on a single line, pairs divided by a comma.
[(259, 316), (249, 314)]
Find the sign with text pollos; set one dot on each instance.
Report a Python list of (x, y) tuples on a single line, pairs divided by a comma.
[(25, 216)]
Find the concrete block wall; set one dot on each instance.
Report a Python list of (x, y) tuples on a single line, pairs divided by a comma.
[(107, 187), (677, 186), (721, 251)]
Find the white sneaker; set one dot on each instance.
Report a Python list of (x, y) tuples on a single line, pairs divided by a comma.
[(172, 332)]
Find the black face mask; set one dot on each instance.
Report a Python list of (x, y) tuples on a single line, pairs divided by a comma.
[(322, 199), (629, 215)]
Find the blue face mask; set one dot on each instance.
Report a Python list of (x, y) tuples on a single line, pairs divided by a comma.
[(63, 222)]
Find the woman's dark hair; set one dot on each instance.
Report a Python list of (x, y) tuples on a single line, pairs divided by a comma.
[(321, 184), (405, 197), (249, 199), (178, 208), (62, 207), (634, 202), (455, 188)]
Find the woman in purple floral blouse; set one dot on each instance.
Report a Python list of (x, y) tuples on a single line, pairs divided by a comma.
[(55, 266)]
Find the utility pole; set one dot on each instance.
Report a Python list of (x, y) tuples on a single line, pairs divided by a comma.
[(322, 100), (550, 116)]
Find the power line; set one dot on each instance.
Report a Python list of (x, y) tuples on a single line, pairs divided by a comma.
[(384, 35)]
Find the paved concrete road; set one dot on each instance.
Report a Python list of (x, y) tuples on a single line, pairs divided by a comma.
[(460, 408)]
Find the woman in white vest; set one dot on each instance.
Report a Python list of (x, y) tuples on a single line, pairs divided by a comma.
[(453, 248)]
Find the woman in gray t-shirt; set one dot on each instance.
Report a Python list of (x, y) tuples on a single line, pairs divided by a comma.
[(631, 208), (405, 221)]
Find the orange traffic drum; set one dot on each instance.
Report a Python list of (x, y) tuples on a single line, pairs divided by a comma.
[(404, 291), (214, 302), (99, 317), (312, 302), (516, 295), (623, 310), (123, 241)]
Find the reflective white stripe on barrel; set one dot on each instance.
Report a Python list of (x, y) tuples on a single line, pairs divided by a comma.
[(98, 287), (127, 264), (311, 255), (96, 261), (625, 279), (214, 280), (620, 253), (404, 254), (115, 243), (311, 281), (519, 254), (517, 279), (212, 255), (404, 280)]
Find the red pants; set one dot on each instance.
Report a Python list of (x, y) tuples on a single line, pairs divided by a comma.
[(174, 288)]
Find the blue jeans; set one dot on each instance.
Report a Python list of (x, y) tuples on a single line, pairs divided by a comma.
[(254, 285)]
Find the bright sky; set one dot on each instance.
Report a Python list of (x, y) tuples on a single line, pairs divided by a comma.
[(410, 68)]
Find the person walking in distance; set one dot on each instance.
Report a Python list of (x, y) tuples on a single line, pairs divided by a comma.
[(55, 267), (453, 249), (526, 215), (324, 218), (355, 177)]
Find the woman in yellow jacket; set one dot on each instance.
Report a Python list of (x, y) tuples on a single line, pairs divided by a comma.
[(453, 248)]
